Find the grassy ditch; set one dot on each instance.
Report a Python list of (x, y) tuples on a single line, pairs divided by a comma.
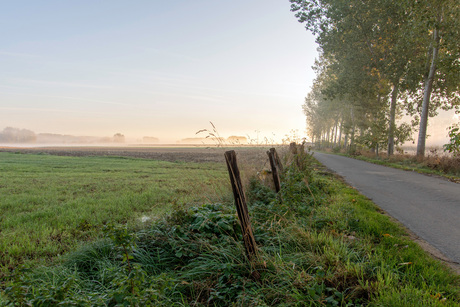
[(49, 204), (320, 244)]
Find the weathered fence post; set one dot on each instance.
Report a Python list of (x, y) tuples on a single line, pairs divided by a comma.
[(241, 206), (293, 148), (276, 177), (277, 160), (302, 149), (293, 156)]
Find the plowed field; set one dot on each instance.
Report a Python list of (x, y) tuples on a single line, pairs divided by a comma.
[(253, 155)]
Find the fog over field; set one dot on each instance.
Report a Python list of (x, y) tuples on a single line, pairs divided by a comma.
[(437, 128), (19, 137), (155, 69), (157, 72)]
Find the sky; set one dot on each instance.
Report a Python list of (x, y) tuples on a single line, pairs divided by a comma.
[(162, 69), (154, 68)]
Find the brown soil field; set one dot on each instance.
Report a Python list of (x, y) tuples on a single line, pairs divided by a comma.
[(250, 155)]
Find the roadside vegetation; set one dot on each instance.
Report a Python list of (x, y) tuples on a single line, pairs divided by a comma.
[(434, 163), (320, 244)]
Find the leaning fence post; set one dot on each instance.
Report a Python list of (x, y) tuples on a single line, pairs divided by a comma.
[(276, 177), (241, 206)]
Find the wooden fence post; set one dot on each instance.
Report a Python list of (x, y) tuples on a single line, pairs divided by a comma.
[(293, 154), (293, 148), (277, 160), (276, 177), (241, 206), (301, 149)]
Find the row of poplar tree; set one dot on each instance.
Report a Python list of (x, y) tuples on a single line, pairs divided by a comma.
[(380, 59)]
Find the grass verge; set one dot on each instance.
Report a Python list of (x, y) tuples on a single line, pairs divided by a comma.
[(439, 165), (320, 244)]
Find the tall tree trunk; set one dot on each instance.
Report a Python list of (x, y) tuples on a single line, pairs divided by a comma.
[(427, 96), (335, 131), (340, 133), (392, 128), (332, 135), (321, 140), (352, 137), (353, 127)]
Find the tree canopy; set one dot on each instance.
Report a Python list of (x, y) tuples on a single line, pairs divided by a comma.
[(378, 60)]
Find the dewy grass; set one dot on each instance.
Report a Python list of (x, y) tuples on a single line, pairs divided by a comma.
[(320, 244), (50, 203)]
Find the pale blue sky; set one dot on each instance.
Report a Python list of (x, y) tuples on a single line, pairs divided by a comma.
[(153, 68)]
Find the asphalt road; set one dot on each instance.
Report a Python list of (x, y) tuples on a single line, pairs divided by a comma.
[(428, 206)]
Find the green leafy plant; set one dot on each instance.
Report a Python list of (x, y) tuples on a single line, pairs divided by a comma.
[(125, 242), (454, 143)]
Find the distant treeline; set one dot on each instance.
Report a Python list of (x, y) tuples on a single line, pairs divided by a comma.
[(16, 135), (232, 140), (23, 136)]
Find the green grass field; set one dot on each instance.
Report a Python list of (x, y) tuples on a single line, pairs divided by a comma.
[(49, 204), (319, 242)]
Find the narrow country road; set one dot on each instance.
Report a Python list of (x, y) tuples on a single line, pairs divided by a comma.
[(428, 206)]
